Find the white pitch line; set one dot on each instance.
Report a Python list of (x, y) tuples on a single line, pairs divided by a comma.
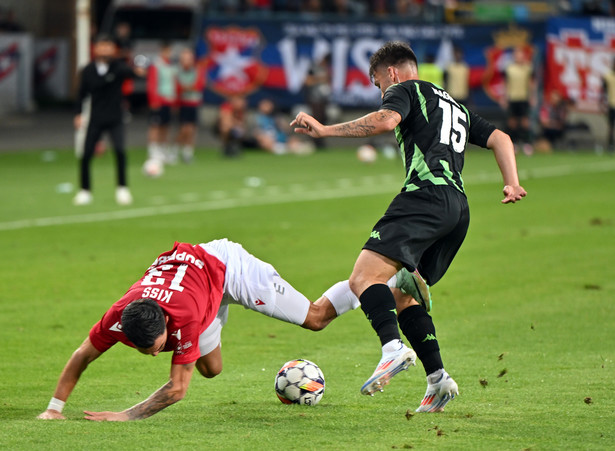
[(295, 193)]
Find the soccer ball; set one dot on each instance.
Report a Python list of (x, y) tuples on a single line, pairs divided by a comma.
[(367, 153), (300, 382), (153, 168)]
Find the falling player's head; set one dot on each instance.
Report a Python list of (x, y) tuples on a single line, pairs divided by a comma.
[(144, 324), (104, 48), (392, 63)]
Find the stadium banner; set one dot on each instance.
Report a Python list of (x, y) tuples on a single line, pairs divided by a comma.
[(269, 58), (51, 65), (16, 56), (578, 53)]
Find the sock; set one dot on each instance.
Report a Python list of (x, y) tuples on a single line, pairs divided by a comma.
[(342, 297), (417, 326), (378, 304)]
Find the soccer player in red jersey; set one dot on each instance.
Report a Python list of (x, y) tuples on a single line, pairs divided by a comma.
[(180, 305)]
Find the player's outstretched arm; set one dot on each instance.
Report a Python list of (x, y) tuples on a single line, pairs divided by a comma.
[(79, 361), (168, 394), (374, 123), (504, 153)]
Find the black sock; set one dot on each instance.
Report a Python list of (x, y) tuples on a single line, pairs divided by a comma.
[(378, 304), (417, 326)]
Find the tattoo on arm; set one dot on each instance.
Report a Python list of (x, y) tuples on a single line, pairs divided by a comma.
[(369, 125), (161, 398)]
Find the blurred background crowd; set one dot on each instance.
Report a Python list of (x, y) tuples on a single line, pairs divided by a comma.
[(229, 74)]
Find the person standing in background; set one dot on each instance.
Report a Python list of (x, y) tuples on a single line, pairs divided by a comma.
[(102, 81), (457, 77), (318, 91), (520, 94), (608, 80), (161, 96), (431, 72), (190, 85)]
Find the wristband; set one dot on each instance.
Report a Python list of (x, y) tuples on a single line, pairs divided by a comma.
[(56, 404)]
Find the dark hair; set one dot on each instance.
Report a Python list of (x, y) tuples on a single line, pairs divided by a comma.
[(391, 53), (142, 322)]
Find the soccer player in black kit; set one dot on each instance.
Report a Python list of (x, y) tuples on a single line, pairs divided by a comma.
[(425, 224), (102, 80)]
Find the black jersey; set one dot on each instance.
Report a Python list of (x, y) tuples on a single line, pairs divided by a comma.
[(433, 133), (105, 90)]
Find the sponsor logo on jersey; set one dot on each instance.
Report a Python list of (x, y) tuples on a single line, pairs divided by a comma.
[(117, 327), (259, 302), (375, 235), (177, 334)]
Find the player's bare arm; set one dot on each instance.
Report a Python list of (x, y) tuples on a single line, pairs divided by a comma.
[(374, 123), (504, 153), (76, 365), (168, 394)]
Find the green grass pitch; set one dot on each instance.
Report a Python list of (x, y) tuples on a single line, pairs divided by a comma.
[(525, 316)]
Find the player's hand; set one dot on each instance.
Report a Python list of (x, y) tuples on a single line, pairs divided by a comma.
[(105, 416), (513, 194), (78, 121), (51, 414), (307, 125)]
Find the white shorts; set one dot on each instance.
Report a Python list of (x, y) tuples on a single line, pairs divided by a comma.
[(255, 285)]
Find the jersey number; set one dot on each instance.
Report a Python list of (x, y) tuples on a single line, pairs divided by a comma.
[(453, 129), (152, 277)]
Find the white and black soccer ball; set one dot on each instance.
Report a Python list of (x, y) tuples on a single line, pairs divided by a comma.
[(367, 153), (300, 382)]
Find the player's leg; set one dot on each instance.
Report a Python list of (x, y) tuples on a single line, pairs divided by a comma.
[(414, 321), (210, 362), (93, 134), (611, 129), (369, 282), (257, 286)]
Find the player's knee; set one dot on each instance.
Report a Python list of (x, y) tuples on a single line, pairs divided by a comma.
[(209, 370), (356, 283)]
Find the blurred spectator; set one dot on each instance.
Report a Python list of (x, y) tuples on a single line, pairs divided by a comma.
[(232, 127), (317, 92), (553, 117), (457, 77), (520, 95), (430, 71), (8, 22), (123, 40), (272, 133), (190, 86), (161, 96), (609, 100), (346, 7), (101, 80)]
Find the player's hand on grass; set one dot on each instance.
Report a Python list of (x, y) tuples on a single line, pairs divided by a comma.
[(513, 194), (307, 125), (51, 414), (105, 416)]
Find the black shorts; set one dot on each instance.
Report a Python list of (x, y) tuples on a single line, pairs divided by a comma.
[(161, 116), (423, 230), (611, 115), (519, 109), (187, 114)]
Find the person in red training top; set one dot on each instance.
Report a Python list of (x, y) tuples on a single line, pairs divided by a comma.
[(161, 97), (190, 86), (180, 305)]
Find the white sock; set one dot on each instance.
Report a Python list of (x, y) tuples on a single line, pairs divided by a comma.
[(393, 345), (342, 297)]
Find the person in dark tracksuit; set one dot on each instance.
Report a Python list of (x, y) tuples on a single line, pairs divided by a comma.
[(101, 80)]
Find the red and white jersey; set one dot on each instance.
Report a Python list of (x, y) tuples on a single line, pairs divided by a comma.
[(188, 284)]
